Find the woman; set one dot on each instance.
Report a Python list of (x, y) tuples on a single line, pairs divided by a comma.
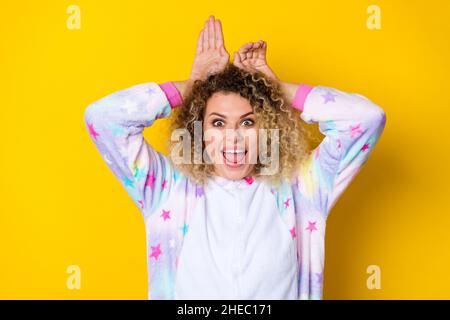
[(222, 226)]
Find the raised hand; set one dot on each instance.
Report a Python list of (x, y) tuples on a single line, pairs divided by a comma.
[(252, 56), (211, 55)]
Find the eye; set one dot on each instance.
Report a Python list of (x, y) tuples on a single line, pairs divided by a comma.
[(217, 123), (248, 122)]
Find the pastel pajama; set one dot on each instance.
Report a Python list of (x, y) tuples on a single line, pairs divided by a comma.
[(241, 239)]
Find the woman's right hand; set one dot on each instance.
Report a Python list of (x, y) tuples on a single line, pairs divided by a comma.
[(211, 55)]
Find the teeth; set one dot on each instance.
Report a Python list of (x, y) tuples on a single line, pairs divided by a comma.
[(234, 151)]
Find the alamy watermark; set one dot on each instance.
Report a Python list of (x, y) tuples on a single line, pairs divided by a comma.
[(267, 152)]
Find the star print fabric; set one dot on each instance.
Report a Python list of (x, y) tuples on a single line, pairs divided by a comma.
[(240, 239)]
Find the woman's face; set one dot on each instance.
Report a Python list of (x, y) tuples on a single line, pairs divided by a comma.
[(231, 135)]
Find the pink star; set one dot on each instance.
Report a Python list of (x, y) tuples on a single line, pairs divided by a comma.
[(293, 232), (249, 179), (92, 131), (355, 130), (141, 203), (156, 251), (312, 226), (164, 184), (286, 203), (150, 180), (365, 147), (339, 143), (165, 214)]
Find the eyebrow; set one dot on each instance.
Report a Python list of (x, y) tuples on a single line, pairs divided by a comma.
[(221, 115)]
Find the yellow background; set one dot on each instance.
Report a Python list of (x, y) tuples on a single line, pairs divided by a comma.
[(60, 205)]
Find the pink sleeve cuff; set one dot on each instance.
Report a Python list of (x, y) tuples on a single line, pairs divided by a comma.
[(300, 96), (172, 94)]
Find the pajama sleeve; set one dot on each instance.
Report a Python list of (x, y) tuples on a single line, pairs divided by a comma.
[(115, 124), (352, 125)]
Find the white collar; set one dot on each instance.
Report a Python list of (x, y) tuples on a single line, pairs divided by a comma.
[(228, 184)]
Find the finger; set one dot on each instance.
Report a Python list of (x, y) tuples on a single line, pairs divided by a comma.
[(200, 42), (206, 36), (242, 56), (257, 45), (257, 49), (246, 47), (237, 60), (243, 51), (211, 34), (249, 53), (261, 49), (264, 50), (219, 34)]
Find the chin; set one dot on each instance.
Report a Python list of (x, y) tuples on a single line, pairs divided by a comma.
[(233, 173)]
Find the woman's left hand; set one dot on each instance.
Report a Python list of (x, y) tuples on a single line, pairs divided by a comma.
[(252, 56)]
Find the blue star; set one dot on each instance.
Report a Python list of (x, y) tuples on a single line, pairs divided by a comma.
[(116, 130), (139, 173), (184, 229), (128, 182)]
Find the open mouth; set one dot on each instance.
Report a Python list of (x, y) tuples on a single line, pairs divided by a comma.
[(234, 157)]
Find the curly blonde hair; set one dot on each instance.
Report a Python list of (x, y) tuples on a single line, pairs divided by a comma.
[(271, 111)]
